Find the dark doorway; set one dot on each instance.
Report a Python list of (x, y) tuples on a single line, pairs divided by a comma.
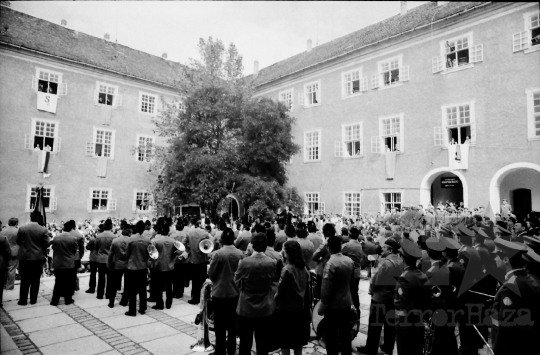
[(446, 187), (234, 209), (522, 203)]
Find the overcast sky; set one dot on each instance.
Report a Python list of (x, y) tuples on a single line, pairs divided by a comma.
[(263, 31)]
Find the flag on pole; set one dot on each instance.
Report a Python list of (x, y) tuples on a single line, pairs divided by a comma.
[(39, 210)]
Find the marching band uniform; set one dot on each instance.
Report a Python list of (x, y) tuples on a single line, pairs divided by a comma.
[(137, 269), (515, 309), (117, 265), (102, 247), (163, 268), (198, 261), (411, 299), (181, 266), (65, 250), (93, 264)]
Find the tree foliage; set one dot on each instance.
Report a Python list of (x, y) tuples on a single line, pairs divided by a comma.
[(219, 136)]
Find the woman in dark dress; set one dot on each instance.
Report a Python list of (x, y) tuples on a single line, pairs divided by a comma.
[(290, 301)]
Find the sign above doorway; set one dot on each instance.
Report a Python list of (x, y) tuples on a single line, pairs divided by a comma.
[(450, 182)]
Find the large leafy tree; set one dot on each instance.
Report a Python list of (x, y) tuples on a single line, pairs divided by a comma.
[(219, 136)]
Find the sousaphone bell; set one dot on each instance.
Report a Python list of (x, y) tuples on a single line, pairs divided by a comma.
[(153, 251), (206, 246)]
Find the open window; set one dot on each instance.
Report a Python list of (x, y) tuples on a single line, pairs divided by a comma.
[(101, 200), (391, 134), (107, 95), (459, 125), (102, 144), (352, 83), (48, 82), (352, 140), (143, 202), (389, 72), (312, 203), (48, 198), (44, 135), (391, 200), (457, 52), (312, 94)]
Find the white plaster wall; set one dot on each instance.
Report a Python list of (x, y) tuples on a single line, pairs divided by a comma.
[(522, 179)]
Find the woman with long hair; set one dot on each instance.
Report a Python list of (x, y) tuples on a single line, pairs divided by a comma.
[(291, 301)]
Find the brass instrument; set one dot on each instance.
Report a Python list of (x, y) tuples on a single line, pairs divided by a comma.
[(153, 251), (429, 326), (205, 319), (206, 246)]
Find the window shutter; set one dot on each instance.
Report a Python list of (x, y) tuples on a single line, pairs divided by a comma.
[(301, 99), (404, 73), (89, 204), (134, 205), (96, 97), (345, 89), (28, 141), (364, 84), (437, 64), (57, 145), (477, 53), (63, 89), (473, 128), (520, 41), (35, 83), (338, 149), (90, 149), (375, 143), (111, 206), (437, 136), (27, 206), (117, 101), (374, 81), (53, 205)]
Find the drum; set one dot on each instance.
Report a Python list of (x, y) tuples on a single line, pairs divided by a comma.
[(317, 321)]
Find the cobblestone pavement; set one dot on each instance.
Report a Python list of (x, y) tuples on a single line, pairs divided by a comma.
[(90, 327)]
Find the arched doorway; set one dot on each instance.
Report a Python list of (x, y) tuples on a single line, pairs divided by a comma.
[(232, 206), (519, 183), (443, 184)]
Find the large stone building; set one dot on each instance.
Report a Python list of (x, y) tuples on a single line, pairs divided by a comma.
[(91, 101), (377, 110)]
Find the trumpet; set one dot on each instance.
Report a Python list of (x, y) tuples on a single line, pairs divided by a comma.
[(179, 246), (206, 246), (436, 291), (153, 251)]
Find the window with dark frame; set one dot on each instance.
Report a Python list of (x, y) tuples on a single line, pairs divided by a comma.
[(457, 52), (535, 29), (100, 199), (106, 95), (44, 135), (312, 201), (392, 200), (48, 82), (391, 131), (458, 120), (352, 83), (144, 201), (46, 198)]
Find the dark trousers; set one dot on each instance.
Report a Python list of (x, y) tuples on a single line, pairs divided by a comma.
[(355, 282), (198, 275), (63, 285), (444, 340), (93, 271), (75, 279), (103, 271), (225, 325), (337, 331), (470, 342), (136, 280), (380, 315), (180, 278), (30, 271), (246, 328), (115, 281), (409, 335), (3, 278), (163, 282)]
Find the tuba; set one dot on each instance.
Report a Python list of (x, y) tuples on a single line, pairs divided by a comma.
[(153, 251), (429, 326), (206, 246)]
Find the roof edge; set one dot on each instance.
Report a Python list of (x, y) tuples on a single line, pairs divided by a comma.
[(371, 44)]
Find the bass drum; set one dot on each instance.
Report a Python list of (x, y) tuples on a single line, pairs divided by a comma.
[(317, 321)]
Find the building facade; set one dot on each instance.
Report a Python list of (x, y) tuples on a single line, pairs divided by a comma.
[(439, 103), (76, 117)]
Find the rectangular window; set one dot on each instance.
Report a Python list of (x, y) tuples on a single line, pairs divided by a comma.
[(312, 200), (103, 143), (143, 201), (148, 103), (351, 83), (389, 72), (392, 200), (352, 204), (457, 52), (48, 82), (286, 97), (100, 200), (391, 133), (44, 135), (106, 94), (312, 146), (47, 195), (458, 123), (312, 93), (352, 135), (533, 113), (145, 146), (534, 25)]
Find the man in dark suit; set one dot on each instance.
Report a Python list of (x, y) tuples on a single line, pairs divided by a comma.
[(198, 260), (137, 257), (33, 241), (336, 299), (223, 266), (65, 248), (162, 268), (117, 265), (93, 261), (353, 249), (270, 252), (5, 258), (244, 238), (102, 248), (256, 302), (80, 248)]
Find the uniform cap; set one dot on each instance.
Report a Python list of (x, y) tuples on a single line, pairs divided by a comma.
[(532, 242), (392, 242), (450, 243), (435, 244), (508, 248), (479, 232), (410, 249), (503, 231), (462, 230), (531, 257)]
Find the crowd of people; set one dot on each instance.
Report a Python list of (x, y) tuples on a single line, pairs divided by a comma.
[(435, 270)]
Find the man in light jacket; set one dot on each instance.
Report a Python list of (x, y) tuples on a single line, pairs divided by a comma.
[(117, 265), (102, 248), (64, 254), (11, 235)]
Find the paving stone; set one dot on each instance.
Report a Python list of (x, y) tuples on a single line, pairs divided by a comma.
[(82, 346), (47, 322), (117, 343), (178, 344)]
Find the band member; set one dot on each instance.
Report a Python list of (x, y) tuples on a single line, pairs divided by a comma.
[(515, 308), (444, 340), (93, 261), (198, 260), (5, 258), (80, 250), (117, 265), (163, 267), (181, 266), (411, 299), (65, 252), (137, 269), (336, 299), (102, 247), (382, 310)]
